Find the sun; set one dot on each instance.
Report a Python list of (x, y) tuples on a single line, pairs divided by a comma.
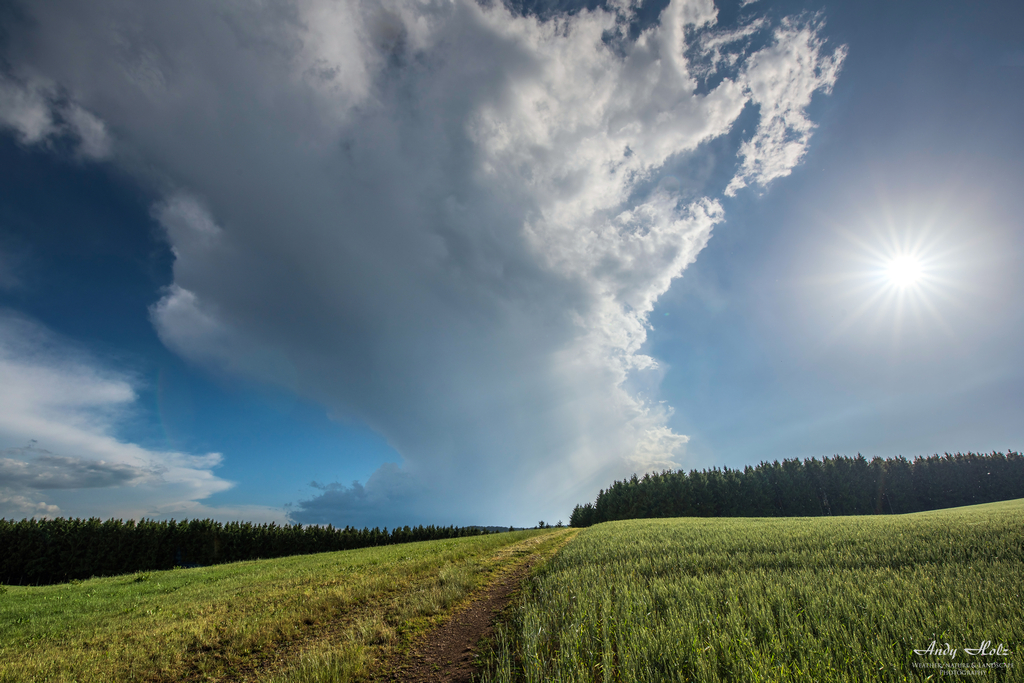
[(904, 271), (894, 275)]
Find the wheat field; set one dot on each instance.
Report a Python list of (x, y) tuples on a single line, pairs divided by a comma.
[(824, 599)]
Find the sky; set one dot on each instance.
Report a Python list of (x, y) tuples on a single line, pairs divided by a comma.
[(378, 263)]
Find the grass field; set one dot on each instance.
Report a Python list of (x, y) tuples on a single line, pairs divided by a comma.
[(323, 617), (797, 599)]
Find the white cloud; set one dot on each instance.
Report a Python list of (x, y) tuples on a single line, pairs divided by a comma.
[(437, 217), (37, 113), (17, 506), (26, 110), (93, 141), (657, 448), (59, 413), (782, 79)]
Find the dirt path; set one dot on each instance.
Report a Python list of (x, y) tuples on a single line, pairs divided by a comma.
[(447, 654)]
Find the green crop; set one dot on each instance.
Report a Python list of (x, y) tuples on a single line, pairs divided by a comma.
[(799, 599)]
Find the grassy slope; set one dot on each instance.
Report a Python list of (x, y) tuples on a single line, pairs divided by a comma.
[(799, 599), (329, 612)]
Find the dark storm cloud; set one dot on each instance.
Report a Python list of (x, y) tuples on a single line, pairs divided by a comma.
[(36, 469), (387, 499)]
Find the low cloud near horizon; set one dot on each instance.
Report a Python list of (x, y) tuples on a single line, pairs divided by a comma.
[(65, 407), (446, 220)]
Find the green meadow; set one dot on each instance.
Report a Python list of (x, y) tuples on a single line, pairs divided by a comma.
[(776, 599), (326, 617)]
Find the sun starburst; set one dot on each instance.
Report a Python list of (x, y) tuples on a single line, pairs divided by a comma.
[(904, 270)]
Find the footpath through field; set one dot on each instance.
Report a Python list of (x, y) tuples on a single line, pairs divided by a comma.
[(425, 631), (448, 654)]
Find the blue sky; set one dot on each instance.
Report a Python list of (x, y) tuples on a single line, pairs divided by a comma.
[(448, 263)]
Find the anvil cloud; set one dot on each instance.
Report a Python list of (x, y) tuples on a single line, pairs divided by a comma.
[(444, 219)]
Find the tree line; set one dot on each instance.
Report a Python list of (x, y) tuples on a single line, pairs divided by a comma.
[(45, 551), (801, 488)]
